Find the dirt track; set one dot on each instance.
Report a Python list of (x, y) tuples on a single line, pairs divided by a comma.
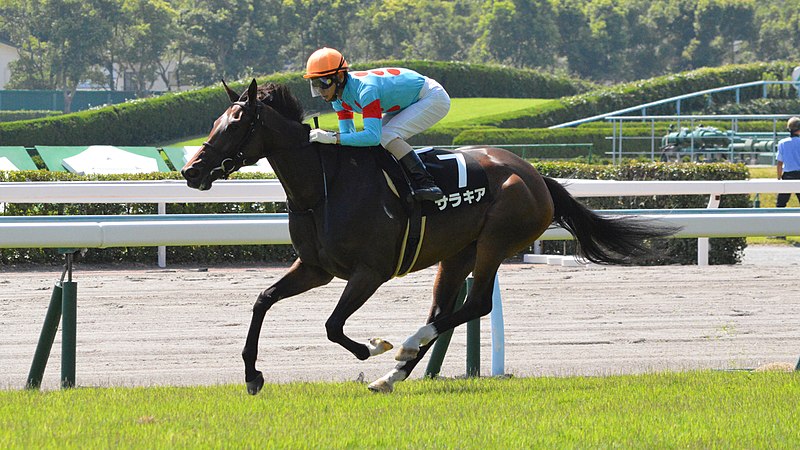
[(185, 325)]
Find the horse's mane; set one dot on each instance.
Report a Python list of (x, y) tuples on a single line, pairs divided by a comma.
[(280, 98)]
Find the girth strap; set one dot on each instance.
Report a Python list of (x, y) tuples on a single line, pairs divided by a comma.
[(412, 242)]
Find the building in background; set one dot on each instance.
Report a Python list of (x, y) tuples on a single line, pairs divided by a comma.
[(8, 53), (95, 95)]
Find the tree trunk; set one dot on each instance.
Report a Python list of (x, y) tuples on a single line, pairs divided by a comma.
[(69, 94)]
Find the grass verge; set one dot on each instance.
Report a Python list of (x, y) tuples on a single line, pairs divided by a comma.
[(693, 409)]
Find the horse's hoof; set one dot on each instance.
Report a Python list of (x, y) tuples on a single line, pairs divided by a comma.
[(381, 387), (254, 386), (406, 354), (378, 346)]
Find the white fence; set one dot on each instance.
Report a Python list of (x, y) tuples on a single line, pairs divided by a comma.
[(219, 229)]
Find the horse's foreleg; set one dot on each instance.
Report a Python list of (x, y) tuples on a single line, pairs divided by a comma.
[(300, 278), (360, 287), (452, 273)]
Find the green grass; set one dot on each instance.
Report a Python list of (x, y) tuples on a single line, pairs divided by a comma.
[(462, 110), (694, 409)]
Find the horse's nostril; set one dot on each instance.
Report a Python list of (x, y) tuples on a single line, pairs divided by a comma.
[(190, 173)]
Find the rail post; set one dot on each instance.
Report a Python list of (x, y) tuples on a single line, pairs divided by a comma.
[(473, 341), (443, 341), (69, 307), (46, 338)]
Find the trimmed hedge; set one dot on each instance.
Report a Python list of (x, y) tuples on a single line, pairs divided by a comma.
[(12, 116), (684, 251), (177, 115), (509, 128), (462, 80), (644, 91)]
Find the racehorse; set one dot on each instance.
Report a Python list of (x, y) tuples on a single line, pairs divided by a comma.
[(345, 221)]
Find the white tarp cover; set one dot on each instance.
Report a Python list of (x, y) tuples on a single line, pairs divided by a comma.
[(261, 166), (6, 164), (107, 159)]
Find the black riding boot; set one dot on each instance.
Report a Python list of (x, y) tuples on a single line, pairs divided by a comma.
[(421, 181)]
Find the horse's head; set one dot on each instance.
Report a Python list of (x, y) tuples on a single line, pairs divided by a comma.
[(230, 145), (260, 120)]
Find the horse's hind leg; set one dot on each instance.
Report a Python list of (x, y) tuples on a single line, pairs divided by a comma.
[(515, 220), (477, 304), (452, 273), (300, 278)]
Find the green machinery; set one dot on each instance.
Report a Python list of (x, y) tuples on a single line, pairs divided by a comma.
[(711, 141)]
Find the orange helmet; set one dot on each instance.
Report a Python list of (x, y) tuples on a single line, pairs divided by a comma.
[(325, 62)]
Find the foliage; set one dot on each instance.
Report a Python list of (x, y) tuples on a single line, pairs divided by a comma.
[(60, 42), (778, 25), (141, 37), (644, 91), (664, 410), (757, 106), (176, 115), (517, 32), (608, 40), (12, 116)]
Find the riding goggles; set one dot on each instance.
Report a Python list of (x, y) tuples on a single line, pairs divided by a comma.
[(318, 84)]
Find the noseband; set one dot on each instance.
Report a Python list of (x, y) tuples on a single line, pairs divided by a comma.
[(229, 165)]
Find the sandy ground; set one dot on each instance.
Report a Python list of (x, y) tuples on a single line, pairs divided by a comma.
[(186, 325)]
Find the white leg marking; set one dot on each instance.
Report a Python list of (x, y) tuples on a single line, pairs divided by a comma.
[(421, 337), (410, 347), (386, 383), (377, 346)]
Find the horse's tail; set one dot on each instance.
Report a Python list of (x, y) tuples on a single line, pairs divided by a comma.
[(603, 240)]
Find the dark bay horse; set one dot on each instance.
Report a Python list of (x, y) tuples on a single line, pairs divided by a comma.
[(345, 222)]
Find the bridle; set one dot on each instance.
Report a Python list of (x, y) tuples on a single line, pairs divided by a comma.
[(231, 164)]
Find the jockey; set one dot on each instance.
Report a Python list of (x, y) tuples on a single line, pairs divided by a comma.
[(395, 104)]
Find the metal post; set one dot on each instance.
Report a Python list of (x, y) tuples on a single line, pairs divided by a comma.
[(613, 142), (46, 338), (69, 306), (703, 243), (473, 342), (162, 249), (443, 341), (498, 332)]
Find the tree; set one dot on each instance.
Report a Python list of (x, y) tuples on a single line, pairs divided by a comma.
[(141, 40), (778, 31), (60, 42), (307, 25), (717, 25), (522, 33), (214, 30)]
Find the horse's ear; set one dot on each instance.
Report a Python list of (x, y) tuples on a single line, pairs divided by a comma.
[(231, 95), (252, 92)]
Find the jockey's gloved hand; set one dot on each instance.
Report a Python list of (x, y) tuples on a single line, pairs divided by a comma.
[(322, 136)]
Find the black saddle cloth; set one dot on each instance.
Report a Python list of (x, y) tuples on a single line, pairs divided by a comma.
[(459, 175)]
